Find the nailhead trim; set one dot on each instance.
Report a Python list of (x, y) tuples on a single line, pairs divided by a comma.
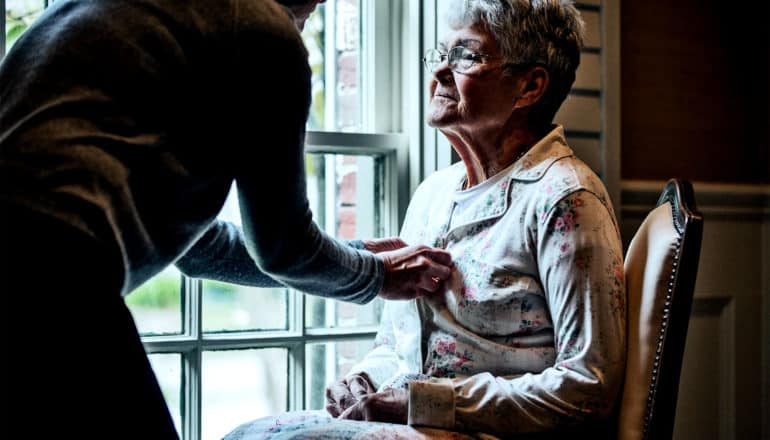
[(661, 338)]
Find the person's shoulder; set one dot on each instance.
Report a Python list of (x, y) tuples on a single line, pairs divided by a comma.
[(569, 175)]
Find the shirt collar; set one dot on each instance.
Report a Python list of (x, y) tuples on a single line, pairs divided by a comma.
[(494, 200), (534, 164)]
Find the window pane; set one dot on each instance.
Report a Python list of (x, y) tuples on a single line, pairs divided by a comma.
[(327, 363), (157, 305), (333, 38), (168, 370), (346, 194), (19, 14), (241, 385), (327, 313), (229, 307)]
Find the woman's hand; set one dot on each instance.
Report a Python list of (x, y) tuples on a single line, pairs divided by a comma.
[(347, 392), (390, 406), (413, 271)]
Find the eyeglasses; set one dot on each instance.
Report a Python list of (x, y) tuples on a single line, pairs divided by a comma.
[(460, 59)]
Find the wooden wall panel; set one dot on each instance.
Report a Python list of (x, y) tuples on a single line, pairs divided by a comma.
[(588, 75), (694, 81), (593, 35), (581, 113)]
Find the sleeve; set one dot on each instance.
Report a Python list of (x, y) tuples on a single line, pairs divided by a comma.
[(381, 364), (579, 256), (220, 254), (356, 244), (271, 78)]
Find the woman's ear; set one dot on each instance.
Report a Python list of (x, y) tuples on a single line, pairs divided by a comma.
[(534, 83)]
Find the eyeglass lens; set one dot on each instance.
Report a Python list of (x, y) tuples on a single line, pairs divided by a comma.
[(460, 59)]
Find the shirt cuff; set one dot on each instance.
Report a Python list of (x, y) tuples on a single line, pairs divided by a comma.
[(432, 403), (356, 244)]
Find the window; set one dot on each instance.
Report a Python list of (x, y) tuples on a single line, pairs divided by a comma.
[(225, 354)]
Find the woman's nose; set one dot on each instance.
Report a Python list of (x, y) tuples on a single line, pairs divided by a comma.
[(444, 63), (443, 74)]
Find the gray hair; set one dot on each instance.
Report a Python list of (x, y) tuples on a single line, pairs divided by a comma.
[(529, 32)]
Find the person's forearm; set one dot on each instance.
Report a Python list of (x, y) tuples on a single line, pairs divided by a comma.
[(551, 400), (221, 255)]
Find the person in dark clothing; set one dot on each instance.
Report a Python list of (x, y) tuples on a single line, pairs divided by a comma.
[(123, 124)]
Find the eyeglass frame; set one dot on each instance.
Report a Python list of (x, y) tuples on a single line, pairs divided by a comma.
[(445, 56)]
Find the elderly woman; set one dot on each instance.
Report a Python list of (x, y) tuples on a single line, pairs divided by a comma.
[(529, 334)]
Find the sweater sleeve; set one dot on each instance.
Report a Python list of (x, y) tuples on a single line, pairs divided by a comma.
[(272, 76), (221, 254), (580, 263)]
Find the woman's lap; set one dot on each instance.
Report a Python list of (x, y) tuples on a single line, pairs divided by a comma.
[(318, 425)]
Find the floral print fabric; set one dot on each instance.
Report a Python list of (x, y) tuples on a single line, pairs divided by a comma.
[(530, 328), (319, 425)]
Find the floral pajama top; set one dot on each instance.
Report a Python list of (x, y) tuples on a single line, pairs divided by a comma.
[(529, 334)]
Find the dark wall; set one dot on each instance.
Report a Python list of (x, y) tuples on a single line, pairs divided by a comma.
[(695, 90)]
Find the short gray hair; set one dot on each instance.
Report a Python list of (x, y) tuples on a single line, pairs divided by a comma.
[(529, 32)]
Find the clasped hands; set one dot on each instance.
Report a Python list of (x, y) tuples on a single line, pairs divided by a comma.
[(355, 398), (410, 271)]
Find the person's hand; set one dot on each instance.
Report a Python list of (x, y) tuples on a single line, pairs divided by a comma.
[(413, 271), (389, 406), (347, 392), (378, 245)]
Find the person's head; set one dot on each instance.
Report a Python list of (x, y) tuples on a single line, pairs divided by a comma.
[(526, 53), (301, 9)]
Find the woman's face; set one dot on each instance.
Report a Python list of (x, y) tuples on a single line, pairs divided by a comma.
[(476, 100)]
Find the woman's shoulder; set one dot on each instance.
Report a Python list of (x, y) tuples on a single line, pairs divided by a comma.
[(569, 175)]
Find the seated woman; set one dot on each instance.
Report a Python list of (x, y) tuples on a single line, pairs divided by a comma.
[(528, 333)]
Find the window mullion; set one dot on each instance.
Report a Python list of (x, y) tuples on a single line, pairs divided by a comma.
[(191, 368), (296, 382)]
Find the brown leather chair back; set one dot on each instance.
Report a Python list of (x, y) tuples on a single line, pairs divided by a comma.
[(661, 266)]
